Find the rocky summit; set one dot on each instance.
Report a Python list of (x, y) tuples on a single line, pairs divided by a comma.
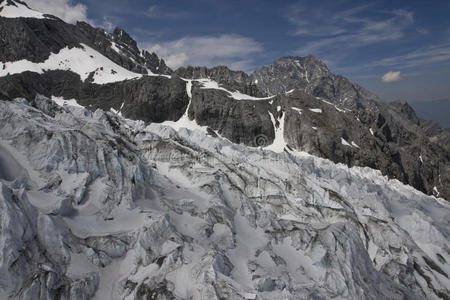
[(121, 178)]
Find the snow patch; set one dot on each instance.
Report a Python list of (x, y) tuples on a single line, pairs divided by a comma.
[(297, 109), (436, 190), (344, 142), (279, 143), (316, 110), (371, 131), (354, 144), (18, 10), (211, 84), (82, 61), (61, 102)]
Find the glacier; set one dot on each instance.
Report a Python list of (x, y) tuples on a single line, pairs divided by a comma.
[(95, 206)]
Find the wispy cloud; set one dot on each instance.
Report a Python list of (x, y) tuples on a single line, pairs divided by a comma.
[(64, 9), (423, 56), (157, 12), (391, 76), (328, 27), (232, 50)]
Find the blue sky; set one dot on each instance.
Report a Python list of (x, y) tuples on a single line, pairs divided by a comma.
[(397, 49)]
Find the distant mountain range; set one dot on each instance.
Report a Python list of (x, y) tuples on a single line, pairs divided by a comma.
[(436, 110)]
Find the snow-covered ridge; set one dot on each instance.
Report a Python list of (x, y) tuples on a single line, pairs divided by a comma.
[(18, 10), (81, 61)]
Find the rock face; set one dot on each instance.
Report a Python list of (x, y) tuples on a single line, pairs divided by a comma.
[(94, 205), (232, 80), (313, 77), (150, 98)]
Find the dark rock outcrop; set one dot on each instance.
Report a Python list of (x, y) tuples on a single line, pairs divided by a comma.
[(150, 98), (232, 80), (239, 121)]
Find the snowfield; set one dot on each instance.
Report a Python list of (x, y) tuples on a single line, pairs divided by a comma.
[(94, 206), (82, 61), (18, 10)]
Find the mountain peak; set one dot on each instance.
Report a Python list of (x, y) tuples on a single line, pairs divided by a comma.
[(122, 36), (309, 60)]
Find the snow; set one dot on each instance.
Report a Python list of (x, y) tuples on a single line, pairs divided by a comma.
[(61, 102), (211, 84), (19, 11), (332, 104), (184, 121), (354, 144), (316, 110), (115, 47), (290, 91), (421, 159), (344, 142), (279, 143), (313, 127), (82, 61), (436, 190), (371, 131), (297, 109)]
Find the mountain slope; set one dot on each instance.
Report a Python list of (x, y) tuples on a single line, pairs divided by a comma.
[(105, 207)]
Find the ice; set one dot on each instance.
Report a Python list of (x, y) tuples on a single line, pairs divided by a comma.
[(182, 214)]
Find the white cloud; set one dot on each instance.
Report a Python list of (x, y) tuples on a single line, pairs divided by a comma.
[(423, 56), (64, 9), (391, 76), (332, 27), (232, 50)]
